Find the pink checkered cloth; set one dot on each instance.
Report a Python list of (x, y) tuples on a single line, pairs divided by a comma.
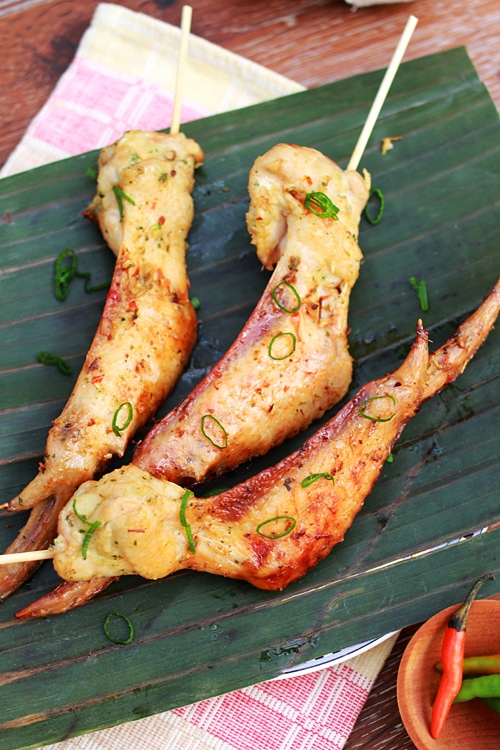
[(123, 77)]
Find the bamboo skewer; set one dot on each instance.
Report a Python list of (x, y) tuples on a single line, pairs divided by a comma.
[(22, 557), (187, 13), (381, 96), (47, 554)]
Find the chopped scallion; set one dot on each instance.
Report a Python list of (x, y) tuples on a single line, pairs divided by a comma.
[(89, 532), (46, 358), (184, 523), (420, 288), (120, 197), (314, 477), (63, 274)]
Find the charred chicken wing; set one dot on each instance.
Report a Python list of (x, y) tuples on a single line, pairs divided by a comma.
[(273, 528)]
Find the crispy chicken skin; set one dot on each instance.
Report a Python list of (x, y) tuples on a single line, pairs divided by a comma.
[(291, 361), (145, 335), (273, 528)]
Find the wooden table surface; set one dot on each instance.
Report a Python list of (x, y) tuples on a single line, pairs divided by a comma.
[(311, 41)]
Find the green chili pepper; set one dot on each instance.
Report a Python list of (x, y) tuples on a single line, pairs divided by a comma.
[(487, 686), (478, 665)]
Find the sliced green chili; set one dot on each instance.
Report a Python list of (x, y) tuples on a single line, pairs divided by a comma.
[(210, 418), (120, 197), (46, 358), (90, 531), (91, 173), (184, 523), (195, 303), (112, 638), (314, 478), (293, 344), (294, 292), (420, 287), (290, 528), (361, 409), (119, 428), (320, 205), (379, 194)]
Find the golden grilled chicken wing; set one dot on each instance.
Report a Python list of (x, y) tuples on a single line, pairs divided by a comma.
[(147, 330), (273, 528), (291, 361)]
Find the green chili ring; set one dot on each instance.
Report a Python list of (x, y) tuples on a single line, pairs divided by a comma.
[(276, 518), (294, 292), (121, 641), (46, 358), (278, 336), (186, 526), (117, 428), (375, 398), (210, 417), (327, 209), (314, 478), (377, 192)]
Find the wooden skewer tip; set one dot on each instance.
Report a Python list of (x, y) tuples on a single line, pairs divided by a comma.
[(381, 96), (187, 14), (20, 557)]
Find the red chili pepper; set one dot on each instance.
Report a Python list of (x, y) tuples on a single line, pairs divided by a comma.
[(452, 656)]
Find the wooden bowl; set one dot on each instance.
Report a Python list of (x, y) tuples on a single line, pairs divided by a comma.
[(471, 725)]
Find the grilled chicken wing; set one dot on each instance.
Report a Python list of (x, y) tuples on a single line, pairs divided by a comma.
[(273, 528), (291, 361), (146, 333)]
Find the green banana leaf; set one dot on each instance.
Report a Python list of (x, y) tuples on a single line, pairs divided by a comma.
[(197, 635)]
